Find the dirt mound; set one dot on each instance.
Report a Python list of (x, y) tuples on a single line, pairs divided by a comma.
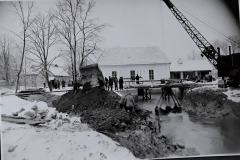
[(208, 103), (99, 109), (92, 99)]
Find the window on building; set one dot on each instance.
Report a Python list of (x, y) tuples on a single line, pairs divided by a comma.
[(132, 75), (114, 73), (151, 74)]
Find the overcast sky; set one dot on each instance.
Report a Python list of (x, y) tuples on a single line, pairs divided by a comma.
[(140, 23)]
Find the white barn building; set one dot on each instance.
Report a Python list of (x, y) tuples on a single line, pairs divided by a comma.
[(150, 63)]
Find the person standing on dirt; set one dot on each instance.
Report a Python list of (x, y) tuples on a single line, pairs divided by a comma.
[(137, 79), (130, 103), (122, 102), (121, 83), (115, 80), (58, 84), (106, 83), (110, 83)]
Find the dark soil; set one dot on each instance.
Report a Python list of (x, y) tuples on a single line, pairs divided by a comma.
[(100, 109), (210, 104)]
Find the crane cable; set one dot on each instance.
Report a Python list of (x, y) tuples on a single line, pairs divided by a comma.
[(213, 28)]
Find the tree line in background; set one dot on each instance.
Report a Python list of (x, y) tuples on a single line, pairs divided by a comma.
[(70, 24)]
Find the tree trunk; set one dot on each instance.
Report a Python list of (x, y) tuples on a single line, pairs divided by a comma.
[(48, 82), (22, 58)]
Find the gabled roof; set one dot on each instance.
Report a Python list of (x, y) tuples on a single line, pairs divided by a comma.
[(133, 55), (191, 65), (58, 71)]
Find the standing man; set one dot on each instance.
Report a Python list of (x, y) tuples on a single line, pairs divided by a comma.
[(58, 84), (106, 83), (63, 84), (121, 83), (122, 102), (130, 103), (110, 83), (115, 83), (137, 79)]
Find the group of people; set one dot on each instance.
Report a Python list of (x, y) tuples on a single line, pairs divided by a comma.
[(136, 78), (56, 84), (113, 81), (167, 93)]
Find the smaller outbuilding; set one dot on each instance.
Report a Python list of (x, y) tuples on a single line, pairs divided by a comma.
[(191, 69), (33, 78)]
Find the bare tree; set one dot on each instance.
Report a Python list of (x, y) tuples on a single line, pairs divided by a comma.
[(5, 58), (24, 13), (43, 37), (77, 31), (68, 12), (90, 32)]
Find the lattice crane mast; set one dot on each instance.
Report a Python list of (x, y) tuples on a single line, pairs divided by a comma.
[(206, 48)]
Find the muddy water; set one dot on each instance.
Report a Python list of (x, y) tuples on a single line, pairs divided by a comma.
[(206, 137)]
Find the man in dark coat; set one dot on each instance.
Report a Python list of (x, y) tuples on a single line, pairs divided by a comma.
[(115, 80), (106, 82), (110, 83), (137, 79), (121, 83)]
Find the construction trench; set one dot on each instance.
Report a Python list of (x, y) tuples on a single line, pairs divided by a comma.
[(208, 123)]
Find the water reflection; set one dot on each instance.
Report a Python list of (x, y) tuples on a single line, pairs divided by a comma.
[(207, 137)]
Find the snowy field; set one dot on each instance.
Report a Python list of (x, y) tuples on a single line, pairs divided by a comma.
[(62, 137)]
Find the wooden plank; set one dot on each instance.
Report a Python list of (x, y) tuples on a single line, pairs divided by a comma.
[(20, 120)]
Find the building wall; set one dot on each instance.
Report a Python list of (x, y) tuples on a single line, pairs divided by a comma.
[(161, 71), (189, 74)]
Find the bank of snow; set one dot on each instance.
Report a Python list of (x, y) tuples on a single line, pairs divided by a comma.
[(60, 138), (26, 142)]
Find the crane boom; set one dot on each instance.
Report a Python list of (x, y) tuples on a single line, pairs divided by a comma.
[(206, 48)]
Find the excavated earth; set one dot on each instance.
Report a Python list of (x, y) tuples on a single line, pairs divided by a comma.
[(100, 109), (210, 104)]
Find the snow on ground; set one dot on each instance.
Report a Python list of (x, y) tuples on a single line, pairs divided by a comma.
[(59, 93), (4, 90), (202, 88), (62, 138), (233, 94), (10, 104), (26, 142)]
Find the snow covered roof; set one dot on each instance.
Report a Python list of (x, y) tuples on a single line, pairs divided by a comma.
[(191, 65), (58, 71), (133, 55)]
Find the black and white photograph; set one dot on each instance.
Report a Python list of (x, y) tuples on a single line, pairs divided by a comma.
[(120, 79)]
